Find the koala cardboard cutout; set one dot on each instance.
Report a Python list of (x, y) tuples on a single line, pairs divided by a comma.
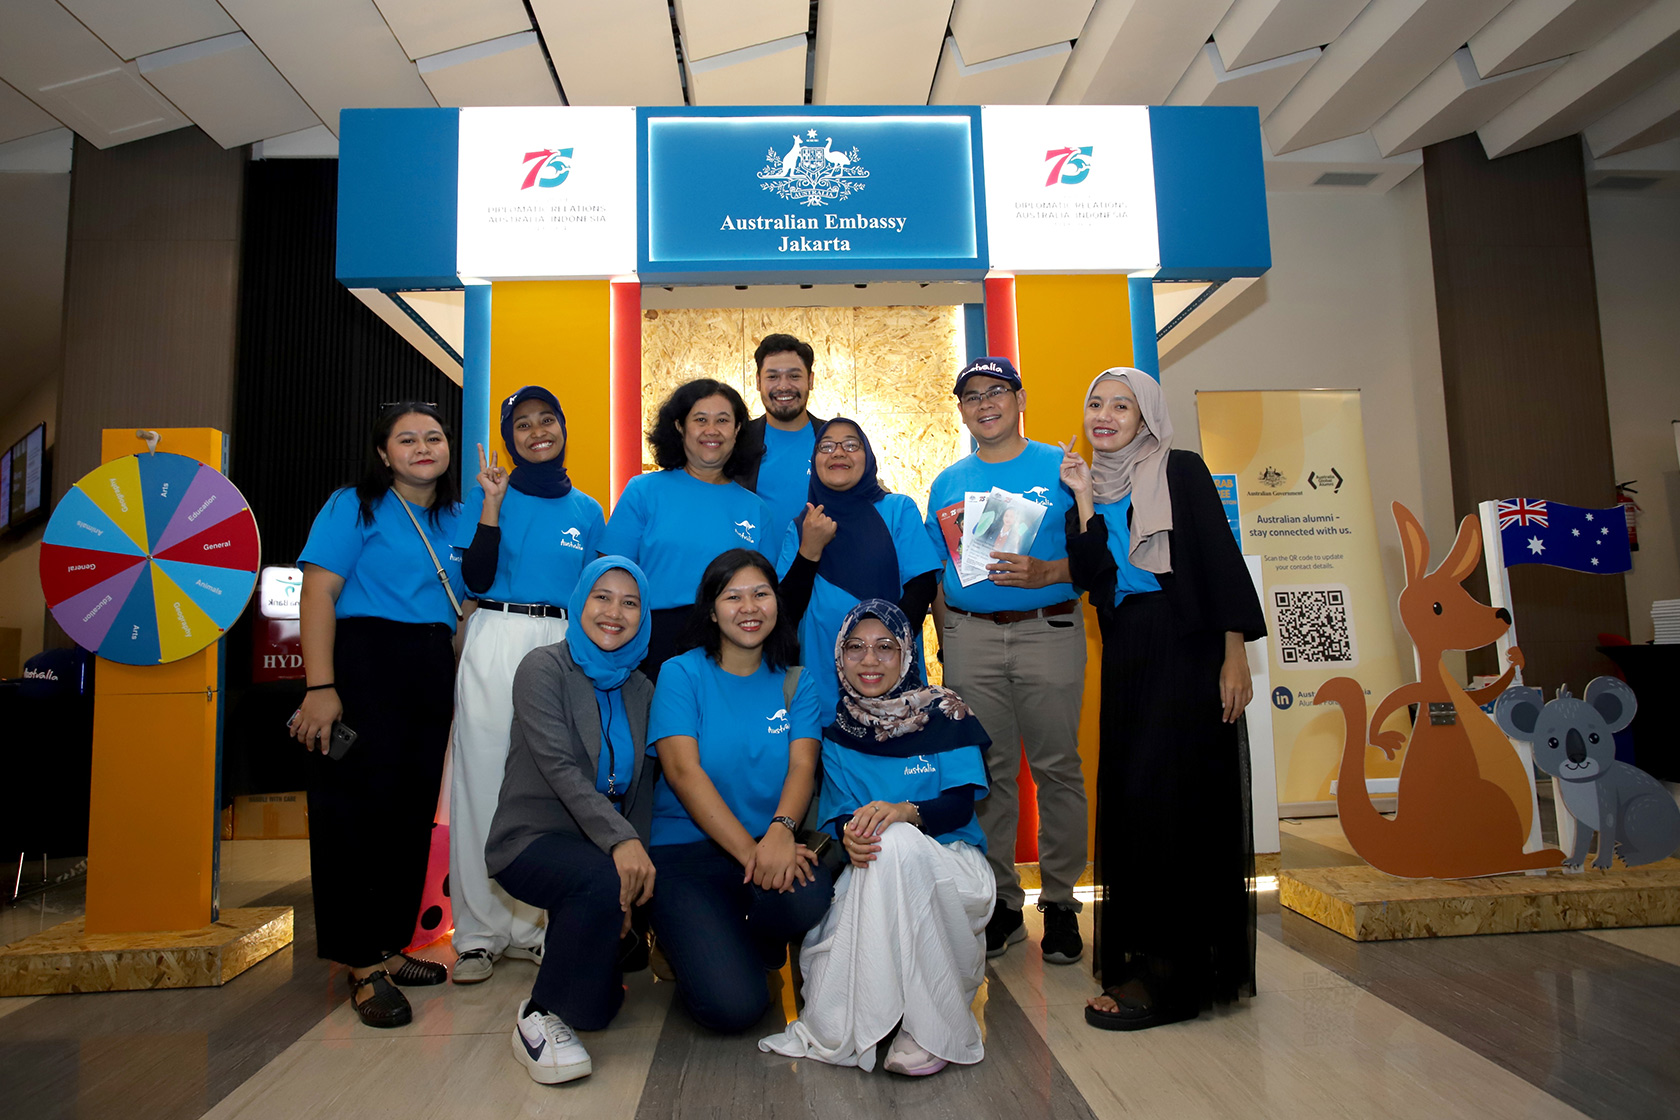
[(1465, 805), (1632, 813)]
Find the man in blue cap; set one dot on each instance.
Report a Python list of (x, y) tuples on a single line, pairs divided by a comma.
[(1013, 646)]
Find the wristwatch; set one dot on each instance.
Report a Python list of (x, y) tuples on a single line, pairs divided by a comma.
[(792, 825)]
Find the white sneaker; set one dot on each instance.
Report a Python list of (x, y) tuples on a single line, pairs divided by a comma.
[(551, 1052), (519, 953), (906, 1056), (473, 967)]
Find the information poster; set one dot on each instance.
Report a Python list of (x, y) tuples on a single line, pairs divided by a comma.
[(1304, 502)]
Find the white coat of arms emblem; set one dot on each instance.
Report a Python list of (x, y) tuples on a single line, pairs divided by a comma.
[(813, 174)]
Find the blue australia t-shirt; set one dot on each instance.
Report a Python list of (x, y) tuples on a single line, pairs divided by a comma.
[(545, 543), (672, 525), (784, 477), (829, 604), (852, 779), (1035, 474), (1129, 579), (387, 573), (745, 728)]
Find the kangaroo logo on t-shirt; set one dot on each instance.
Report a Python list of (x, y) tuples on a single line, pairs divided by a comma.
[(1038, 494), (778, 723), (922, 766), (572, 538), (744, 530)]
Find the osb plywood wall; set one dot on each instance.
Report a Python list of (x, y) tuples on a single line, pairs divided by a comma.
[(888, 368)]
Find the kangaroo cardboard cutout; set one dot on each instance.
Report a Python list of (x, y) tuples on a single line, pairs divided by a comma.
[(1464, 801)]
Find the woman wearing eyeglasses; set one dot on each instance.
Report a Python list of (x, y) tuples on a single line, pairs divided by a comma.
[(904, 942), (855, 541)]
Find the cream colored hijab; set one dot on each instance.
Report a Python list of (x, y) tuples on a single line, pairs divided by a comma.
[(1139, 469)]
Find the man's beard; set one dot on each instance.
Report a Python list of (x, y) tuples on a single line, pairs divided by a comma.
[(785, 411)]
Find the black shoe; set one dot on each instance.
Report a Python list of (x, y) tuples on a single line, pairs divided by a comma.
[(1003, 930), (386, 1007), (414, 972), (1062, 943), (632, 952)]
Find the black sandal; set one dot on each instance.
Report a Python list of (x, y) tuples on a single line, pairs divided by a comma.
[(416, 973), (1130, 1015), (386, 1007)]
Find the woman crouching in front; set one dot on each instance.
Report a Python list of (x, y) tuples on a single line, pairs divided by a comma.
[(572, 820), (738, 754), (905, 941)]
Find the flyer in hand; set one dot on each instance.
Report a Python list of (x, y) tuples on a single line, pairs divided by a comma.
[(999, 521)]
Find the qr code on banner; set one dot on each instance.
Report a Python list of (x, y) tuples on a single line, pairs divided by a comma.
[(1313, 627)]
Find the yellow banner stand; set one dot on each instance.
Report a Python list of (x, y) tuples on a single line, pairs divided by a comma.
[(152, 918)]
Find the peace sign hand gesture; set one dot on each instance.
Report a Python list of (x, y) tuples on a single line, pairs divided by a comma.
[(1076, 472), (491, 477)]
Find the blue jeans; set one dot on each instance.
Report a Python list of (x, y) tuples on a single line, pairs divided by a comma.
[(721, 934), (577, 883)]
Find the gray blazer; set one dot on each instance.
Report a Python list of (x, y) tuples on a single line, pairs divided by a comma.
[(549, 783)]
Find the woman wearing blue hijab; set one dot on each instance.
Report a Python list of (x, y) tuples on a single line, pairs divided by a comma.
[(571, 828), (855, 541), (526, 534)]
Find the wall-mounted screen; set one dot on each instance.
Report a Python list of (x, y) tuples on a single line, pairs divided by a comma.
[(23, 481)]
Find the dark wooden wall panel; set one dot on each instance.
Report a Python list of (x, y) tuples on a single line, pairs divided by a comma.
[(1527, 414), (151, 294)]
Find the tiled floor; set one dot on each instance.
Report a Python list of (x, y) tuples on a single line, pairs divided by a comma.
[(1548, 1025)]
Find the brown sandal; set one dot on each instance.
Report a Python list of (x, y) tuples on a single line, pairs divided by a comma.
[(386, 1007)]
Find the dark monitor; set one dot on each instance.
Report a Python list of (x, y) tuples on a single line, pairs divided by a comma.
[(23, 481)]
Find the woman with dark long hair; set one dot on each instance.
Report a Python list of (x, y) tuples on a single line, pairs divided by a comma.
[(737, 743), (1147, 537), (381, 596), (673, 521)]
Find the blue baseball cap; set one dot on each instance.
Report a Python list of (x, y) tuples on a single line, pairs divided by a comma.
[(1001, 368)]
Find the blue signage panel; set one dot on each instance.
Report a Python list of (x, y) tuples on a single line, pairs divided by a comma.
[(834, 194), (1226, 484)]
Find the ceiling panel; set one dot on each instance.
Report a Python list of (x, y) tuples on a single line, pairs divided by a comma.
[(428, 27), (1650, 118), (766, 74), (714, 27), (1453, 101), (611, 52), (1025, 78), (1355, 156), (132, 28), (1132, 52), (877, 52), (50, 153), (228, 89), (337, 54), (1262, 85), (989, 29), (506, 71), (1638, 54), (1651, 170), (1530, 31), (1391, 46), (312, 143), (1255, 30), (20, 116), (48, 56)]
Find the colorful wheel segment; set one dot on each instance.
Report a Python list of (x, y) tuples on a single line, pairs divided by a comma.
[(149, 558)]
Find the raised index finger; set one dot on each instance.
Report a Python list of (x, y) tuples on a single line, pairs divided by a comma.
[(483, 463)]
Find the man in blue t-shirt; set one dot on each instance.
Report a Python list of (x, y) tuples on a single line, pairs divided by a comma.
[(786, 432), (1013, 644)]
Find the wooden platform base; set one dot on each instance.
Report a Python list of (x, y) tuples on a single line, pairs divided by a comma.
[(66, 958), (1364, 904)]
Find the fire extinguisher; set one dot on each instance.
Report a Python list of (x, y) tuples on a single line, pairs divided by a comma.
[(1630, 510)]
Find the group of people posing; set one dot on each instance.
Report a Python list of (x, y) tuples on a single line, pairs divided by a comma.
[(710, 716)]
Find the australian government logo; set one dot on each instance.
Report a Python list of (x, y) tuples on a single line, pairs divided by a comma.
[(813, 174)]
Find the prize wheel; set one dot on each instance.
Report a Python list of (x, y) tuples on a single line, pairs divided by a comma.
[(149, 558)]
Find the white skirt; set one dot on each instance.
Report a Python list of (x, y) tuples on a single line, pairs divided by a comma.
[(904, 939)]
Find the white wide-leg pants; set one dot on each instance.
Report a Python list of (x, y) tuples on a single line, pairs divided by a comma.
[(904, 939), (486, 916)]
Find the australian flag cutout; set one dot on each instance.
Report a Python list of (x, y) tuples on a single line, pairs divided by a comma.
[(1584, 540)]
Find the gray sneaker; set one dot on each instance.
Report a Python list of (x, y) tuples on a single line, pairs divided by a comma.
[(473, 967)]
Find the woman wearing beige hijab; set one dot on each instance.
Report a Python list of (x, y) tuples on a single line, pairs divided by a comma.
[(1148, 538)]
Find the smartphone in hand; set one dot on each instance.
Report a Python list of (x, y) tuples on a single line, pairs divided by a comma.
[(339, 740)]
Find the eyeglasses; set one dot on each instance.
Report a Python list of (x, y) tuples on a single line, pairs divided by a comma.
[(884, 650), (975, 400), (849, 446)]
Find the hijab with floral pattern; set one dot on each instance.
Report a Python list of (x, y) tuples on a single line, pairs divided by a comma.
[(912, 718)]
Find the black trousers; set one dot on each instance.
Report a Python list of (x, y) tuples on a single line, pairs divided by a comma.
[(371, 812)]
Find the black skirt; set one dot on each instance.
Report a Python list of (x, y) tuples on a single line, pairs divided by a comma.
[(1175, 836)]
